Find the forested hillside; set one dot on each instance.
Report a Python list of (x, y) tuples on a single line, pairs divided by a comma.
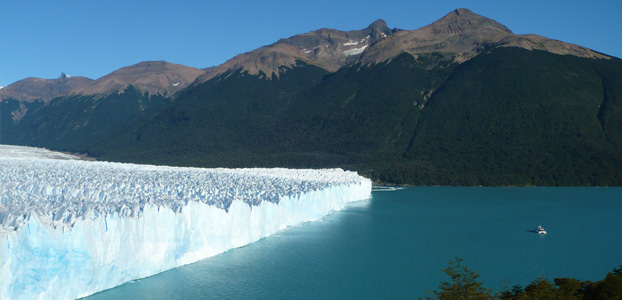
[(507, 117)]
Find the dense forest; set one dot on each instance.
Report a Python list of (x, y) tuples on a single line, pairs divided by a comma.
[(463, 285), (74, 123)]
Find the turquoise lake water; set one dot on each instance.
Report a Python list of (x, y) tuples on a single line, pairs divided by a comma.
[(394, 246)]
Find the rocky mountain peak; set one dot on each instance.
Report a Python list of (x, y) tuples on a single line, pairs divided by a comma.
[(63, 76), (379, 30), (464, 20), (462, 11), (379, 24)]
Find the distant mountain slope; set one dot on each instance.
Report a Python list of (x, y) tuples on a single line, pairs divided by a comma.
[(329, 49), (156, 78), (153, 77), (73, 123), (511, 116), (233, 116), (31, 89)]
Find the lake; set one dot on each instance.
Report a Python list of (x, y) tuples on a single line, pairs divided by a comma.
[(394, 245)]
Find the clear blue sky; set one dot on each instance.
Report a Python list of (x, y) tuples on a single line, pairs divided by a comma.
[(42, 38)]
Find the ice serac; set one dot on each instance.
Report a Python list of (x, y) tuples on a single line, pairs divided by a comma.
[(71, 228)]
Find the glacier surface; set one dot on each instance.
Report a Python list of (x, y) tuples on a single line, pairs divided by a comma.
[(71, 228)]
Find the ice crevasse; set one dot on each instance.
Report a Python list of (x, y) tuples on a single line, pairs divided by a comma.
[(71, 228)]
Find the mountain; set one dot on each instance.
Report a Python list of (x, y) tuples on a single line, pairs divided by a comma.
[(462, 101), (31, 89), (329, 49), (461, 35), (148, 83), (153, 77), (28, 92)]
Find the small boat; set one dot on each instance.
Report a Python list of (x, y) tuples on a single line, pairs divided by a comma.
[(540, 230)]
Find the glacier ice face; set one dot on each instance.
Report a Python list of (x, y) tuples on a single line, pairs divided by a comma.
[(71, 228)]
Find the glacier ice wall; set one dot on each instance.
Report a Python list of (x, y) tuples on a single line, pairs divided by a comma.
[(71, 228)]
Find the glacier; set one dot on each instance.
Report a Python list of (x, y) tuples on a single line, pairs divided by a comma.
[(70, 228)]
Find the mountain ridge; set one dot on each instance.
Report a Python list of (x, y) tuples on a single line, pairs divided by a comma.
[(33, 88), (461, 35), (153, 77), (329, 49)]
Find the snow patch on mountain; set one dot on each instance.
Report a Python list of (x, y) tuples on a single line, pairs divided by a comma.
[(354, 51)]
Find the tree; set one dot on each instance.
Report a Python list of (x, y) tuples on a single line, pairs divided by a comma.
[(609, 288), (463, 284), (517, 292), (541, 289), (568, 289)]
